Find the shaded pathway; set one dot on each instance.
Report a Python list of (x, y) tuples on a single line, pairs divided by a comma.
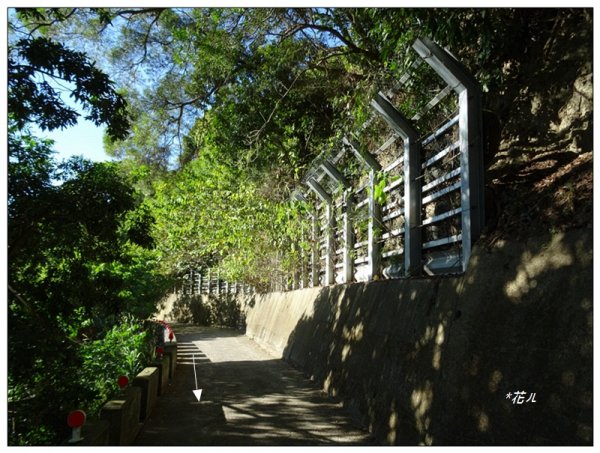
[(248, 398)]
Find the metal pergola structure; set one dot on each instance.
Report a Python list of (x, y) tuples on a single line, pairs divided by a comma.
[(205, 280), (426, 178), (432, 209)]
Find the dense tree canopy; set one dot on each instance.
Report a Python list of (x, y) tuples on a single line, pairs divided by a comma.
[(82, 267), (79, 255), (240, 100), (35, 61), (259, 71)]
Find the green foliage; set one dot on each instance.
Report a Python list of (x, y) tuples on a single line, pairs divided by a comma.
[(379, 192), (79, 251), (79, 257), (31, 98), (76, 376), (267, 86), (210, 213), (125, 350), (40, 398)]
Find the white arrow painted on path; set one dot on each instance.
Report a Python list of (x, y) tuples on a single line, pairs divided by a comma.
[(197, 392)]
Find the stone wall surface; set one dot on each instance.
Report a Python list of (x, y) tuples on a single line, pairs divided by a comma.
[(431, 361)]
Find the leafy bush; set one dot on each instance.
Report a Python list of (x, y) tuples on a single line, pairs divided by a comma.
[(74, 272), (124, 350), (80, 375)]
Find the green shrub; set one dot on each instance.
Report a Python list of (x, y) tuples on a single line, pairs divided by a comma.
[(124, 350), (76, 376)]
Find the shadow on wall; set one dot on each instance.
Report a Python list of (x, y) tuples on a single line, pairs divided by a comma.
[(542, 174), (431, 362), (210, 310), (547, 95)]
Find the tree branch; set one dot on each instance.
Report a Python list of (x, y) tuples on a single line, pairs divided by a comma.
[(133, 12), (32, 311), (145, 45), (327, 29), (59, 18), (255, 135)]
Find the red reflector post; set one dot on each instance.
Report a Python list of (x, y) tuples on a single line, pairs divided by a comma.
[(123, 381), (76, 420)]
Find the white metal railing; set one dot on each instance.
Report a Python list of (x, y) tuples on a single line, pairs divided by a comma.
[(435, 209), (439, 179), (204, 280)]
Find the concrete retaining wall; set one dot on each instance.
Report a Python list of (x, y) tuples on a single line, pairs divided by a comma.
[(432, 361), (148, 381), (162, 364), (123, 416)]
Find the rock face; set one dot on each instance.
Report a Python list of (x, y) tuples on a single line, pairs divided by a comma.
[(433, 361)]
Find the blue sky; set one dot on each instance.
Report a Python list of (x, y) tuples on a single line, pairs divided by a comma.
[(83, 139)]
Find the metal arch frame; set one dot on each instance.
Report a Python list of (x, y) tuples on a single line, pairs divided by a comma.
[(332, 171), (412, 189), (467, 89), (348, 264), (329, 239), (314, 255), (375, 217), (470, 138)]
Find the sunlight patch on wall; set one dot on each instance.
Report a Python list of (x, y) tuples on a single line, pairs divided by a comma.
[(437, 348), (555, 256), (393, 422), (355, 333), (328, 384), (483, 421), (421, 400), (345, 352), (494, 382), (425, 339)]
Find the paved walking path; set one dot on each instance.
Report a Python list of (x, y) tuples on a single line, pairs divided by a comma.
[(248, 398)]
